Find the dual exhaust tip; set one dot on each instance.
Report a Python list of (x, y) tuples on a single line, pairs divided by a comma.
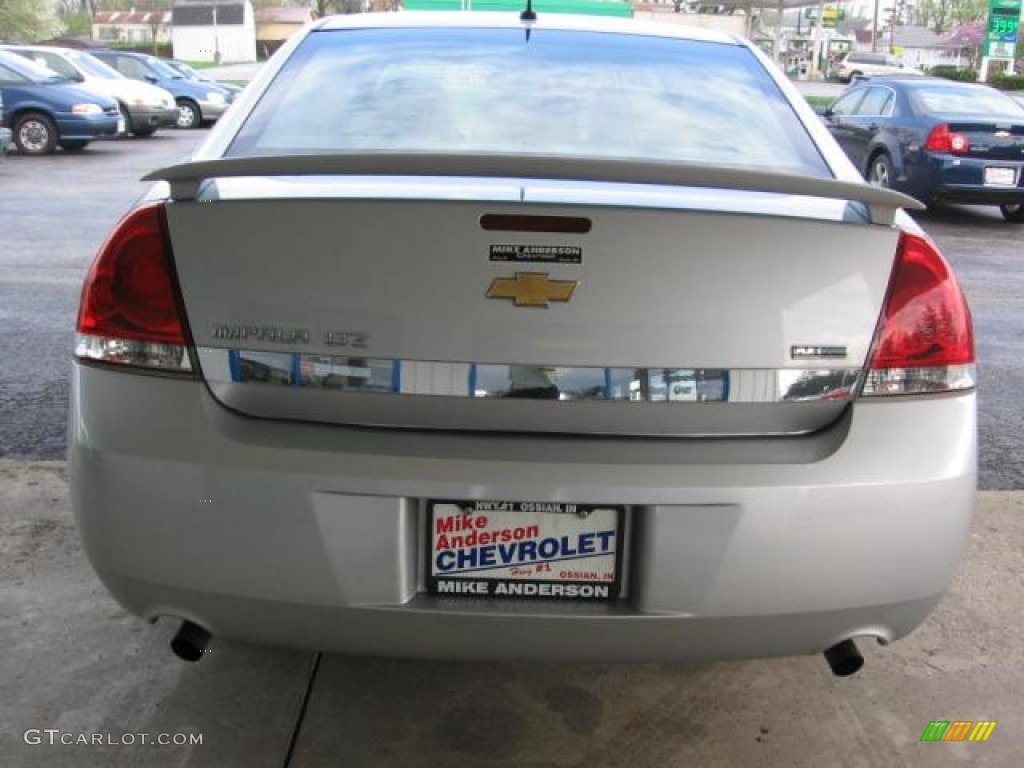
[(191, 641)]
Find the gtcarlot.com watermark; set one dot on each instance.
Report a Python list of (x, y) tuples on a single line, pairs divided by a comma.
[(54, 737)]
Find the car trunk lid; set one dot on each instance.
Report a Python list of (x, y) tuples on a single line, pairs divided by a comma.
[(680, 311)]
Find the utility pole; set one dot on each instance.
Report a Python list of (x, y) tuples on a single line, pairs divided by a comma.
[(216, 37), (819, 42), (874, 29)]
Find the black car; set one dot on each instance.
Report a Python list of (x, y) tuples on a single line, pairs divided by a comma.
[(937, 140)]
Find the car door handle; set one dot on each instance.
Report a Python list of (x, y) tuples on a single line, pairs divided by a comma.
[(873, 127)]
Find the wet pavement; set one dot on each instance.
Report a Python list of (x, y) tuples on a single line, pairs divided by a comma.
[(76, 663)]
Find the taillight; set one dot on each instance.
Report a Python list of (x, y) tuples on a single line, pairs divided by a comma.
[(925, 340), (129, 313), (941, 139)]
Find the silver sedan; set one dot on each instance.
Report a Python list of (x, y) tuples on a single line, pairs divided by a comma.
[(482, 336)]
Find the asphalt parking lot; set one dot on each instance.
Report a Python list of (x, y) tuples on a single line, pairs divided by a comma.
[(76, 665)]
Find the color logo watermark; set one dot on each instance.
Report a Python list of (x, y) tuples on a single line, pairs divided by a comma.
[(958, 730)]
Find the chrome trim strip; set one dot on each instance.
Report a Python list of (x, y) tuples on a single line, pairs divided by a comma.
[(617, 384)]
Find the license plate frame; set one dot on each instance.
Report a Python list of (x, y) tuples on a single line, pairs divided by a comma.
[(1000, 176), (580, 546)]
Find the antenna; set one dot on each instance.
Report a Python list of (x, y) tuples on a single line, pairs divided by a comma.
[(528, 14)]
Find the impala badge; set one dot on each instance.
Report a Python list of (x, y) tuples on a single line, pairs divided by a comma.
[(811, 352), (531, 289)]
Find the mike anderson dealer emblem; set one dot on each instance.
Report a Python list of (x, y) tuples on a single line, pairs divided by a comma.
[(531, 289)]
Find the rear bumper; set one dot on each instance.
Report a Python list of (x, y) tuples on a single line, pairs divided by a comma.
[(153, 117), (948, 178), (312, 536)]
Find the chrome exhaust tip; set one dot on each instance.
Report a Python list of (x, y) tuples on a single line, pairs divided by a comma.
[(190, 642), (844, 659)]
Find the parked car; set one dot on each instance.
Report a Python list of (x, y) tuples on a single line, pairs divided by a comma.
[(45, 111), (471, 336), (937, 140), (189, 72), (145, 107), (5, 132), (197, 102), (857, 63)]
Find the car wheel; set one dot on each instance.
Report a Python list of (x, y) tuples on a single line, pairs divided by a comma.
[(189, 115), (1014, 213), (880, 171), (127, 120), (73, 146), (35, 134), (853, 75)]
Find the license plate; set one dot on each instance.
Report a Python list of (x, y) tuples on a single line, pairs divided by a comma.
[(1000, 177), (522, 549), (120, 125)]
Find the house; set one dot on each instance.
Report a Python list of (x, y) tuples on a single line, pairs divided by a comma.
[(132, 27), (275, 25), (917, 46), (964, 44), (214, 30)]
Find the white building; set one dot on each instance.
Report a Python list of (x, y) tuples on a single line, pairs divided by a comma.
[(134, 27), (222, 31)]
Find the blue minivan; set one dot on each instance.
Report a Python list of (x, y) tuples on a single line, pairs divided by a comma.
[(44, 110), (198, 102)]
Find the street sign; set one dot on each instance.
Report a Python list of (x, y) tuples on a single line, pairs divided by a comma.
[(1002, 29)]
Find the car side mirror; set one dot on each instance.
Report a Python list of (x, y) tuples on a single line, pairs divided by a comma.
[(150, 79)]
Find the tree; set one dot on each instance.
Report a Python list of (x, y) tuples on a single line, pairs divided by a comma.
[(157, 8), (27, 20), (75, 21), (934, 13), (323, 8), (964, 11), (942, 15)]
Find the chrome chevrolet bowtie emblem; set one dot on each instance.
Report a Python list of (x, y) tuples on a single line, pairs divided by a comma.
[(531, 289)]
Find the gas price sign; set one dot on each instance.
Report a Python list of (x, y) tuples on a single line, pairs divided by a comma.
[(1001, 32)]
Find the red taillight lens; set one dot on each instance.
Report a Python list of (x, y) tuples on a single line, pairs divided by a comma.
[(925, 341), (941, 139), (129, 311)]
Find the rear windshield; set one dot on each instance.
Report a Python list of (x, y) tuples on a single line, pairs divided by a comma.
[(562, 93), (964, 101)]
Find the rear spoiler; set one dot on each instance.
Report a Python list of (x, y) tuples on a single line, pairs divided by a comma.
[(187, 178)]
